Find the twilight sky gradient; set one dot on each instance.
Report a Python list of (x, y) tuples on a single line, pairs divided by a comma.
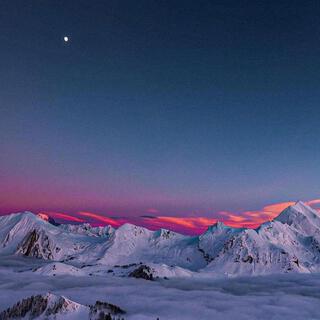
[(158, 108)]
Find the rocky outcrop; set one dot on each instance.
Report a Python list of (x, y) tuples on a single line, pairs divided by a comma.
[(36, 244), (142, 272), (36, 306), (105, 311), (33, 306)]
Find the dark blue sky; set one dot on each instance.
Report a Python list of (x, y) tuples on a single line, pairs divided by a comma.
[(179, 106)]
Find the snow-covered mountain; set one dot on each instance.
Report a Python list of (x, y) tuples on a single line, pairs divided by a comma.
[(289, 243), (50, 306)]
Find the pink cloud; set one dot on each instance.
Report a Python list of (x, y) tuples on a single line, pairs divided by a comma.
[(101, 218), (62, 216), (313, 202), (188, 225)]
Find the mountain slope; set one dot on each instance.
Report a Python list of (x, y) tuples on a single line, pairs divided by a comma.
[(30, 235), (132, 244), (50, 306), (290, 243)]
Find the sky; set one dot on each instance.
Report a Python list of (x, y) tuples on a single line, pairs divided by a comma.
[(181, 109), (190, 225)]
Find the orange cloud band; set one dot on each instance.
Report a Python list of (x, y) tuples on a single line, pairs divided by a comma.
[(191, 225), (63, 216)]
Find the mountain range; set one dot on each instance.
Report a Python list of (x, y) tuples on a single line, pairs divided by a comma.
[(288, 244)]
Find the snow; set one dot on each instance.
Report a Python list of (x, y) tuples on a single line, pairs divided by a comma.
[(203, 277), (290, 243), (58, 268), (70, 311)]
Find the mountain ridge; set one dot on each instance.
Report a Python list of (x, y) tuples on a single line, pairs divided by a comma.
[(51, 306), (288, 243)]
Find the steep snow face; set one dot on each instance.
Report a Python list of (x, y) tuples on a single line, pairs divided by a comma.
[(211, 242), (14, 228), (248, 253), (50, 306), (301, 217)]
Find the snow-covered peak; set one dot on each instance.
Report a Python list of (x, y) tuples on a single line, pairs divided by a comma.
[(60, 302), (51, 306), (301, 217), (211, 242), (26, 219), (302, 207), (14, 227), (48, 306), (219, 225), (129, 229), (15, 217)]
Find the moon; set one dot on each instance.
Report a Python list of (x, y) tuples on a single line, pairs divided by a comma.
[(65, 39)]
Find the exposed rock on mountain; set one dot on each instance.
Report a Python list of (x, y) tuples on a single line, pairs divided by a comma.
[(36, 244), (50, 306), (143, 272)]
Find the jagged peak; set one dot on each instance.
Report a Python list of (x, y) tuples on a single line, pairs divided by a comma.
[(297, 213), (88, 229), (53, 306), (300, 205), (166, 233), (54, 298), (219, 225), (48, 304)]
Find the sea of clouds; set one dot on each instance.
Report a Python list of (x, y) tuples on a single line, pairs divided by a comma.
[(280, 297)]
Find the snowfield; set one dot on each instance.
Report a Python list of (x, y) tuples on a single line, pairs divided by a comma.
[(50, 271)]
